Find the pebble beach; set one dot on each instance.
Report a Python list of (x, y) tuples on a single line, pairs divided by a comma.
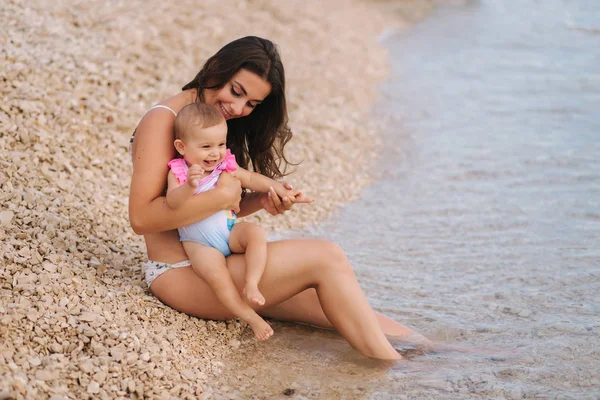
[(76, 318)]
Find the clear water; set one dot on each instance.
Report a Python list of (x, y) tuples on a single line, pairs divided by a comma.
[(485, 230)]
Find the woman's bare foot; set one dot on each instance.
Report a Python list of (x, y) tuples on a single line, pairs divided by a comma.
[(415, 341), (253, 295), (262, 330)]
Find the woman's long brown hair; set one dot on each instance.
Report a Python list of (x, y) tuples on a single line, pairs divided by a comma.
[(260, 137)]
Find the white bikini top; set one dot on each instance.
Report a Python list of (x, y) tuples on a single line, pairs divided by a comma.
[(151, 108), (161, 106)]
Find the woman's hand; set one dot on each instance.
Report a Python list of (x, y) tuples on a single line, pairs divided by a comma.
[(231, 189), (275, 205)]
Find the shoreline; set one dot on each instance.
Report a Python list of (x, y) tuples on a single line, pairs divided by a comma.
[(76, 318)]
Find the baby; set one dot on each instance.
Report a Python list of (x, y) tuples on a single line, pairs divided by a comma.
[(200, 138)]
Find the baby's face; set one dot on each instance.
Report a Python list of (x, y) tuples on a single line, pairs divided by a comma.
[(206, 146)]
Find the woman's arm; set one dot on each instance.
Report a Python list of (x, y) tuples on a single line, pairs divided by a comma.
[(177, 194), (251, 203), (148, 209), (260, 183), (273, 204)]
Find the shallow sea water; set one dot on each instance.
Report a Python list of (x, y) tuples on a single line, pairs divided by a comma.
[(485, 228)]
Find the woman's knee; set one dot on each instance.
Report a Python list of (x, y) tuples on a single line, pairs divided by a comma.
[(334, 258)]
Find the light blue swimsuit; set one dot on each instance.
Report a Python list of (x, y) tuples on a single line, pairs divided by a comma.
[(212, 231)]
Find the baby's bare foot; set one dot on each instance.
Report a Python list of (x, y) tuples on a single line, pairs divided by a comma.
[(253, 295), (262, 330)]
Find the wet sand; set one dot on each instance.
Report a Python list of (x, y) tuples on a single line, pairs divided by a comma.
[(76, 319)]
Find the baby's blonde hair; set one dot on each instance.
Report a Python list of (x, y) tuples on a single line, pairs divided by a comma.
[(196, 114)]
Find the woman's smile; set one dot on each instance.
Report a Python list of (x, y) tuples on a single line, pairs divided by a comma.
[(226, 115)]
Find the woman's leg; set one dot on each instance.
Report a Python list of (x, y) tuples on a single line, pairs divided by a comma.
[(305, 308), (209, 264), (251, 239), (292, 267)]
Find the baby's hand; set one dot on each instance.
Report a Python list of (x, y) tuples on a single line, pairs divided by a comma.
[(282, 192), (298, 197), (195, 173), (276, 205), (291, 194)]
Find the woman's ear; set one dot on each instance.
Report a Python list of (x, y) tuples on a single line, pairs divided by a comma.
[(179, 146)]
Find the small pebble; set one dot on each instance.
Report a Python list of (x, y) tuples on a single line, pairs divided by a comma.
[(93, 387)]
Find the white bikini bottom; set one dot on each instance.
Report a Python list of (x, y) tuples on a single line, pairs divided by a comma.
[(154, 269)]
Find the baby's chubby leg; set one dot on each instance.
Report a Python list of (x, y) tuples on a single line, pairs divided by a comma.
[(251, 239), (210, 264)]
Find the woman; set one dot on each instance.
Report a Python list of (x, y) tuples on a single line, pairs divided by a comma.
[(308, 281)]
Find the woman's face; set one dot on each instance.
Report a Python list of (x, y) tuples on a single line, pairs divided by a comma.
[(244, 91)]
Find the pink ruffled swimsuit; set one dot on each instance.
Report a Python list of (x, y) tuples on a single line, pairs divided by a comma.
[(212, 231)]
